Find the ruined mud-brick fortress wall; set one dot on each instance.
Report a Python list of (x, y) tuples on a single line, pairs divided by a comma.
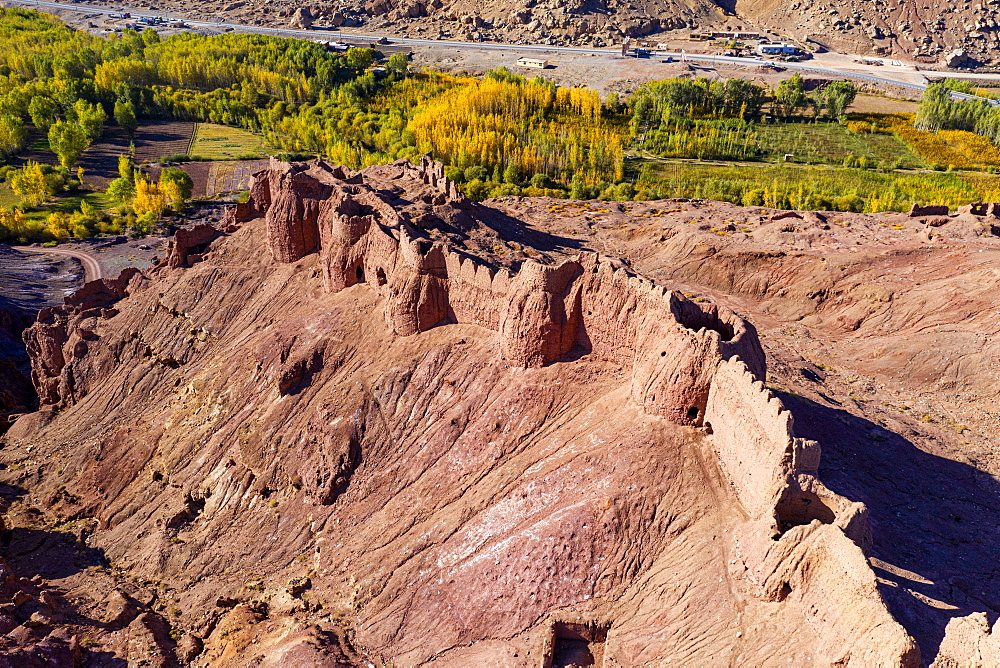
[(692, 363), (541, 312)]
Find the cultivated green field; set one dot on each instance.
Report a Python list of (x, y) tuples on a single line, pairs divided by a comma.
[(219, 142), (830, 143), (808, 187)]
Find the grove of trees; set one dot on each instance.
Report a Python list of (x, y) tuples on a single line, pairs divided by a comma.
[(500, 134)]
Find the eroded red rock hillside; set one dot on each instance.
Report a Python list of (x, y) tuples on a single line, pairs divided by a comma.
[(370, 422)]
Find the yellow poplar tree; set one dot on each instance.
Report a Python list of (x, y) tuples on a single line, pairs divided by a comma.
[(57, 225), (149, 198)]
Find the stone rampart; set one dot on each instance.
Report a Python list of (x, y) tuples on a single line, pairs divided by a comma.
[(772, 471)]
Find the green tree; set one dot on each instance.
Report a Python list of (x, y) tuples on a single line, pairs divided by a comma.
[(177, 186), (742, 97), (790, 96), (476, 172), (512, 174), (839, 95), (398, 65), (541, 181), (150, 36), (13, 135), (68, 140), (42, 111), (476, 190), (121, 191), (613, 104), (126, 168), (360, 60), (125, 117), (91, 118), (31, 183)]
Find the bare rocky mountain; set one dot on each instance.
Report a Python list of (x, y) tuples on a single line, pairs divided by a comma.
[(366, 421), (957, 35)]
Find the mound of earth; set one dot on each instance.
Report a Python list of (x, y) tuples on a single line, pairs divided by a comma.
[(365, 421)]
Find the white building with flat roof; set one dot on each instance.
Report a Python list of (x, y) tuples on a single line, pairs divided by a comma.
[(534, 63), (777, 49)]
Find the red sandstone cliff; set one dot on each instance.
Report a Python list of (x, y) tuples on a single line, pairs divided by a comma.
[(387, 434)]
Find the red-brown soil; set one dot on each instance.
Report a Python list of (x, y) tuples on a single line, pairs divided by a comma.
[(213, 179), (371, 422), (156, 139)]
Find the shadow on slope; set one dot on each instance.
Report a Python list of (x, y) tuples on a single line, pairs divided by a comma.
[(936, 522), (512, 229), (50, 554)]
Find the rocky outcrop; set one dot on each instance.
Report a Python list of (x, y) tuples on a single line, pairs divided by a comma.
[(969, 643), (917, 211), (302, 18), (17, 395), (187, 245), (290, 198), (989, 209), (61, 338)]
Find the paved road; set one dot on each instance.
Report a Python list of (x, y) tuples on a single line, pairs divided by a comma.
[(91, 267), (904, 78)]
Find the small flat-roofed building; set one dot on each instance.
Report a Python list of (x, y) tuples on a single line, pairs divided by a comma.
[(533, 63), (777, 49)]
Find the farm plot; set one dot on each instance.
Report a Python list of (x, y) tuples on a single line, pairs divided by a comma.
[(831, 143), (7, 197), (157, 139), (808, 188), (873, 104), (220, 142), (198, 171), (216, 178), (230, 177), (100, 160)]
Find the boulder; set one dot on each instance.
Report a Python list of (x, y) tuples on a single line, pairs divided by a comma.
[(956, 58), (929, 210), (302, 18)]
